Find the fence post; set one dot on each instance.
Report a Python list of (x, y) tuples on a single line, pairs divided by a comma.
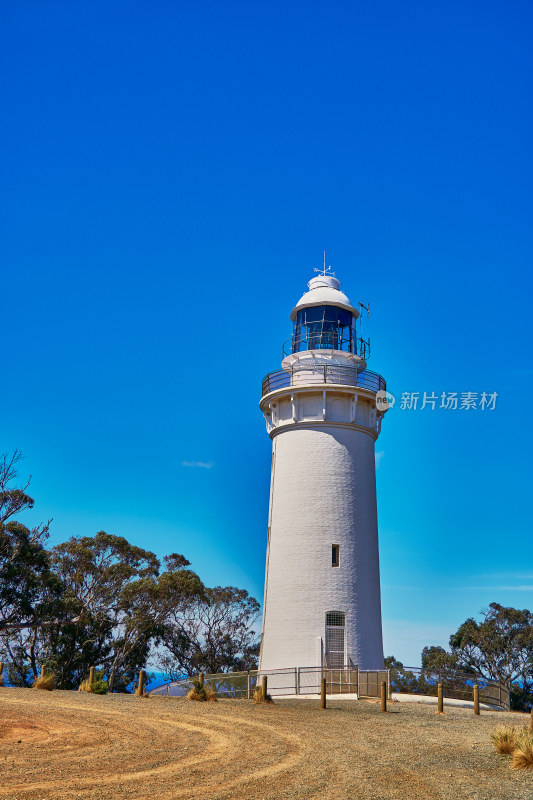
[(201, 678), (264, 684), (440, 701), (140, 688), (383, 695), (1, 668), (43, 671), (476, 699), (323, 693), (248, 684), (531, 720), (298, 680), (91, 675)]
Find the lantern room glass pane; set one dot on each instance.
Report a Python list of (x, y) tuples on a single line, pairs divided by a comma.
[(324, 328)]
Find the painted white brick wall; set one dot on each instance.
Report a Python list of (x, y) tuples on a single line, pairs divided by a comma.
[(323, 492)]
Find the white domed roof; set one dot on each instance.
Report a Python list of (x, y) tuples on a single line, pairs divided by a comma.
[(324, 290)]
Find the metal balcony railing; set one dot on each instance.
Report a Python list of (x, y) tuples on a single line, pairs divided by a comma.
[(326, 340), (302, 375)]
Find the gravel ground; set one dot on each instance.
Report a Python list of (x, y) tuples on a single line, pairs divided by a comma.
[(67, 745)]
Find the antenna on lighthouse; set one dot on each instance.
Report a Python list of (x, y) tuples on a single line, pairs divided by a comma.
[(367, 309), (325, 270)]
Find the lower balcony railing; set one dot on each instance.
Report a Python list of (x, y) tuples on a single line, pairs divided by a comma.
[(301, 375)]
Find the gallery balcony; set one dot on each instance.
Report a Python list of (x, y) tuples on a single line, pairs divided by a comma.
[(311, 375)]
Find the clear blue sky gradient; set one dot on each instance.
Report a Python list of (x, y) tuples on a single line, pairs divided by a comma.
[(172, 172)]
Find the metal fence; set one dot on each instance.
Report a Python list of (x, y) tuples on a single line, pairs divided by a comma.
[(456, 685), (232, 685), (301, 681), (290, 682), (312, 374)]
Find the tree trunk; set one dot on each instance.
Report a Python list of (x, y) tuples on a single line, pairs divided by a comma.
[(32, 654)]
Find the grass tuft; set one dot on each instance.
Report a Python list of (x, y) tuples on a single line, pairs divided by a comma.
[(202, 693), (98, 686), (258, 697), (523, 751), (48, 683), (210, 694), (504, 739)]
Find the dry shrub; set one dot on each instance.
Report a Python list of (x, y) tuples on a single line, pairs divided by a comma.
[(504, 739), (194, 694), (258, 697), (210, 694), (47, 682), (85, 686), (201, 692), (523, 751)]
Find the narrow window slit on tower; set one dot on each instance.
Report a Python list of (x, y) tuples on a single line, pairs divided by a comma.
[(335, 558)]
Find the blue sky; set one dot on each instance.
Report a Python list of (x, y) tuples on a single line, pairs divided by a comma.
[(172, 173)]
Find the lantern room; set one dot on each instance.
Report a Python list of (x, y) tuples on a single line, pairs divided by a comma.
[(324, 319)]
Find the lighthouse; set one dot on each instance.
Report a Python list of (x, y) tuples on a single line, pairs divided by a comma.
[(323, 410)]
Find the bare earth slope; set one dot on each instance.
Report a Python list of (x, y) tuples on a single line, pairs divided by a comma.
[(60, 745)]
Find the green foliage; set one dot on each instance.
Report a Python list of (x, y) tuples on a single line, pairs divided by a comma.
[(197, 692), (105, 601), (439, 660), (402, 680), (522, 695), (26, 583), (212, 633), (98, 686), (499, 647), (103, 578)]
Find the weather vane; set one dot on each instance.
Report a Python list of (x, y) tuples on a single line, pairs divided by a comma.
[(325, 270)]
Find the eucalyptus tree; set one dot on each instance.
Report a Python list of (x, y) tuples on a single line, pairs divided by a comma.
[(499, 647), (213, 633), (96, 573)]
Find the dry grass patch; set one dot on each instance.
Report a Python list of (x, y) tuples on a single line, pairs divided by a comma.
[(522, 754), (504, 739), (258, 697), (47, 682), (202, 693)]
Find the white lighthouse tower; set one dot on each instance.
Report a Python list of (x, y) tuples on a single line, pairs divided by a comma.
[(322, 604)]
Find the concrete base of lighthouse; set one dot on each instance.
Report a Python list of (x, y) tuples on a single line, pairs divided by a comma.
[(323, 493)]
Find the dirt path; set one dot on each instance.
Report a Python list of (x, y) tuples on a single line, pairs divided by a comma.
[(66, 746)]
